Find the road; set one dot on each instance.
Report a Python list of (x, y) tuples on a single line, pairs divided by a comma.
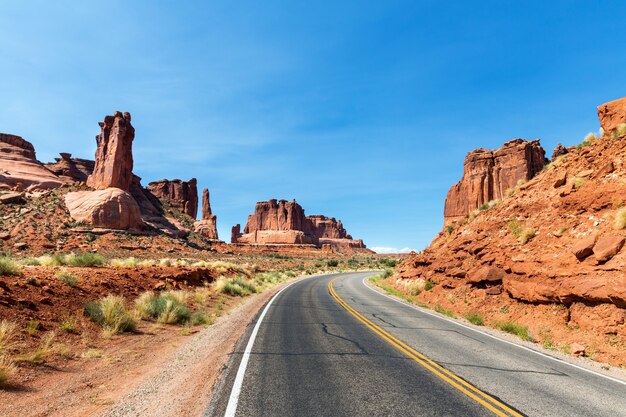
[(347, 350)]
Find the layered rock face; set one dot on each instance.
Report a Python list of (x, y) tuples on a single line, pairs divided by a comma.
[(76, 169), (207, 227), (114, 157), (19, 167), (612, 114), (182, 195), (487, 175), (284, 222), (110, 208)]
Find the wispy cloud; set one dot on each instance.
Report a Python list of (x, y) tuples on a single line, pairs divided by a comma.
[(386, 250)]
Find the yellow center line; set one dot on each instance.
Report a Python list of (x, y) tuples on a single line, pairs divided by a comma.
[(489, 402)]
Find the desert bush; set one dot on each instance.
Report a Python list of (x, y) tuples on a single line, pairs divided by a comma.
[(449, 229), (84, 259), (9, 267), (588, 140), (475, 318), (621, 129), (7, 370), (522, 234), (516, 329), (620, 218), (125, 263), (32, 327), (526, 235), (439, 309), (578, 182), (110, 312), (236, 286), (30, 262), (201, 318), (167, 308), (7, 336), (429, 285), (332, 263), (70, 325), (67, 278), (557, 162), (391, 263)]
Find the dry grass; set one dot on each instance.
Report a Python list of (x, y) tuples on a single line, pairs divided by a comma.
[(620, 219), (7, 336), (43, 351), (9, 267), (7, 370), (110, 312)]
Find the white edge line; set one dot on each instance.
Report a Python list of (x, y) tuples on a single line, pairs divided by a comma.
[(561, 361), (233, 400)]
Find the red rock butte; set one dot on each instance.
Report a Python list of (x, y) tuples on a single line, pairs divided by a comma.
[(182, 195), (282, 222), (488, 174)]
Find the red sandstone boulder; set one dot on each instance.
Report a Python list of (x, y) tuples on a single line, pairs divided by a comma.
[(111, 208), (114, 158), (584, 247), (612, 114), (607, 247), (488, 174), (19, 167), (486, 274), (182, 195), (559, 150)]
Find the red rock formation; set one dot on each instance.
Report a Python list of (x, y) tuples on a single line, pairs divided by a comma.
[(75, 169), (612, 114), (284, 222), (114, 158), (558, 151), (488, 174), (111, 208), (207, 227), (182, 195), (19, 167)]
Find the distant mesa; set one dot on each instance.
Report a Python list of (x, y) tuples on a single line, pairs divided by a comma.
[(282, 222), (488, 174)]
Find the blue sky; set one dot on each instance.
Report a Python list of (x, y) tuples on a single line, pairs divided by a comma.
[(359, 110)]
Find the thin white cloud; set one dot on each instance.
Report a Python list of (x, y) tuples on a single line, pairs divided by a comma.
[(386, 250)]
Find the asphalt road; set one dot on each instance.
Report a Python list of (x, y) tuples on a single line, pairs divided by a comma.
[(311, 356)]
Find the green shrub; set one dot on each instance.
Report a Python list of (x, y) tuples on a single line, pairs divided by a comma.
[(201, 318), (439, 309), (449, 229), (84, 259), (70, 325), (523, 235), (9, 267), (332, 263), (475, 318), (484, 207), (388, 262), (237, 287), (67, 278), (429, 285), (167, 308), (110, 312), (516, 329)]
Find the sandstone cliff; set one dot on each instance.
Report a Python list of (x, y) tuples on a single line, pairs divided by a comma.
[(72, 169), (549, 255), (182, 195), (19, 167), (487, 175)]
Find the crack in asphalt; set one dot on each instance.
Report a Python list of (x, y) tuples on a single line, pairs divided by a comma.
[(355, 343)]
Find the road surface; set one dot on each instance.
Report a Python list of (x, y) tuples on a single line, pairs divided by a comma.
[(332, 346)]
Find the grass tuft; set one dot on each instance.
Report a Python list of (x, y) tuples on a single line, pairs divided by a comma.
[(236, 286), (43, 351), (620, 218), (475, 318), (7, 370), (7, 335), (110, 312), (516, 329), (439, 309), (67, 278), (9, 267)]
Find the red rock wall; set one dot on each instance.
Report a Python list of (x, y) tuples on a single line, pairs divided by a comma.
[(612, 114), (74, 168), (114, 157), (278, 215), (328, 227), (182, 195), (488, 174)]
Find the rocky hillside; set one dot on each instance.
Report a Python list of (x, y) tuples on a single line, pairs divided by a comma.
[(545, 254)]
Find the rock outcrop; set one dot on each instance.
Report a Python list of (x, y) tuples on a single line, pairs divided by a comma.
[(182, 195), (487, 175), (612, 114), (207, 226), (114, 157), (559, 150), (19, 167), (284, 222), (74, 169), (111, 208)]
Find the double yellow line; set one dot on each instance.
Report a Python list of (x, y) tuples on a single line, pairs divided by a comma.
[(484, 399)]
